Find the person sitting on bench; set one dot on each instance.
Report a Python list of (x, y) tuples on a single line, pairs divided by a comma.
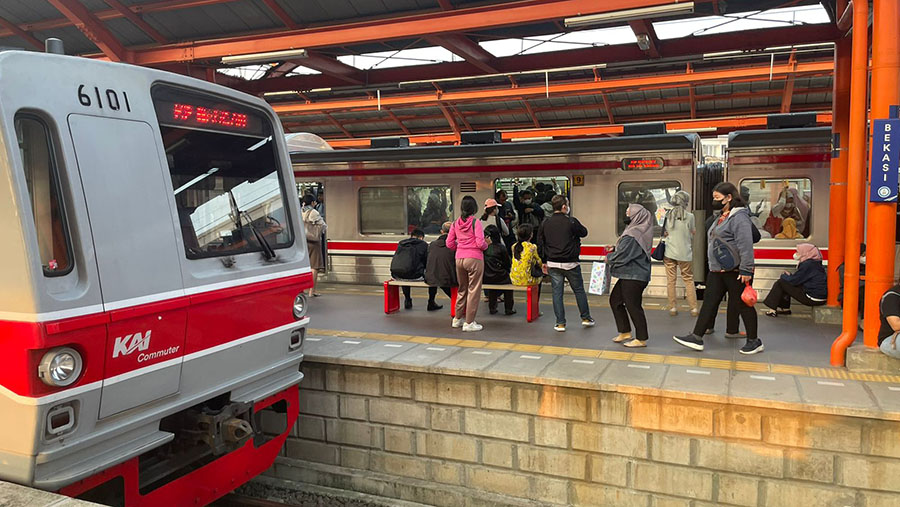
[(890, 322), (496, 271), (440, 269), (807, 285), (408, 264)]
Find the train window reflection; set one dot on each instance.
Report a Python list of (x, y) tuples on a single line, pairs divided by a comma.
[(227, 189), (41, 176), (653, 195), (528, 193), (315, 189), (381, 210), (780, 208), (427, 208)]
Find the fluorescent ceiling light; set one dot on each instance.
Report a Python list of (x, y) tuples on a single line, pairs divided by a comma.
[(265, 57), (276, 94), (656, 11)]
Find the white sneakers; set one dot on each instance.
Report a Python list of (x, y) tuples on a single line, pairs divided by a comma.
[(457, 322), (474, 326)]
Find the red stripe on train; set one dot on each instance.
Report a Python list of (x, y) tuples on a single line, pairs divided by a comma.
[(562, 167), (588, 250), (780, 159), (197, 322)]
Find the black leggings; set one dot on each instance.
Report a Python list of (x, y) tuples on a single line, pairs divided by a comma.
[(508, 301), (782, 292), (432, 292), (717, 284), (626, 299)]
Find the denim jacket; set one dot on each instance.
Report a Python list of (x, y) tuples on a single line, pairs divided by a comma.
[(629, 261)]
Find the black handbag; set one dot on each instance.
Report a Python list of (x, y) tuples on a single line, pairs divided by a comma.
[(659, 252), (537, 271)]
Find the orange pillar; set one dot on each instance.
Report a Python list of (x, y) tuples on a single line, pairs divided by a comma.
[(856, 180), (837, 213), (881, 215)]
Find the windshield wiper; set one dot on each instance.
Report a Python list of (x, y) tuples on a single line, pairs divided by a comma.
[(267, 250)]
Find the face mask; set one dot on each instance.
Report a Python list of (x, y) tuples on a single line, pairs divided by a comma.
[(526, 201), (796, 256), (718, 204), (627, 220)]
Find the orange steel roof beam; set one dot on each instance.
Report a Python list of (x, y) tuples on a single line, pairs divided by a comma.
[(597, 130), (332, 67), (22, 34), (421, 25), (161, 6), (399, 122), (638, 83), (281, 14), (467, 49), (137, 20), (450, 120), (531, 114), (92, 28)]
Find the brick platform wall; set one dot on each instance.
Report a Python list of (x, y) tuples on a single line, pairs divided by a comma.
[(448, 440)]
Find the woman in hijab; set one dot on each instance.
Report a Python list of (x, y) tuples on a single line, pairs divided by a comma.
[(807, 285), (788, 230), (679, 234), (791, 205), (629, 261)]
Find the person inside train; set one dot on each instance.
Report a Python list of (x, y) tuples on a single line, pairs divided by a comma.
[(497, 265), (491, 216), (789, 205), (890, 322), (311, 221), (546, 205), (678, 233), (730, 251), (629, 261), (526, 263), (508, 214), (435, 212), (320, 203), (440, 268), (559, 246), (527, 210), (788, 230), (466, 237), (413, 210), (408, 264), (807, 285)]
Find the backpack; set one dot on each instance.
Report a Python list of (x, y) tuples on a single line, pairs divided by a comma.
[(404, 262)]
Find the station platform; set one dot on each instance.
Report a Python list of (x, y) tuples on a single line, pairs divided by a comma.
[(794, 344)]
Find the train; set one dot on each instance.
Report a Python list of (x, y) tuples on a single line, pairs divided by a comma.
[(384, 192), (151, 289)]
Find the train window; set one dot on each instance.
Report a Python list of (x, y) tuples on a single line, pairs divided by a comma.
[(653, 195), (427, 208), (36, 149), (225, 175), (381, 210), (315, 189), (542, 189), (780, 208)]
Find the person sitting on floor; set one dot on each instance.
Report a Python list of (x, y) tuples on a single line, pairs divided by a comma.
[(890, 322), (408, 263), (440, 269), (497, 265), (807, 285)]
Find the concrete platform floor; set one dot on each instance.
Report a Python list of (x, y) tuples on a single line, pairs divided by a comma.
[(789, 341)]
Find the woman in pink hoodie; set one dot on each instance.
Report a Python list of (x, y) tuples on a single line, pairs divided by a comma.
[(467, 238)]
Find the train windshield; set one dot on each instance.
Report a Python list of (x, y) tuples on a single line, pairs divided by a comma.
[(225, 175)]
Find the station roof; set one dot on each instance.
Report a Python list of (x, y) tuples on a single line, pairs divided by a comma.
[(432, 68)]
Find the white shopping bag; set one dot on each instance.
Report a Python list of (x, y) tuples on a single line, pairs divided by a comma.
[(600, 279)]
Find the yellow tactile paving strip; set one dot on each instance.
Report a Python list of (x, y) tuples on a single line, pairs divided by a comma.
[(722, 364)]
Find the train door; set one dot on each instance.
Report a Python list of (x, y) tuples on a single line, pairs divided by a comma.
[(137, 257)]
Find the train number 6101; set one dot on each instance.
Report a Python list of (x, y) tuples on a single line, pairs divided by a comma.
[(112, 98)]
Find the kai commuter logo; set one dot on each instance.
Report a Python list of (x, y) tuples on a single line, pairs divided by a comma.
[(125, 345)]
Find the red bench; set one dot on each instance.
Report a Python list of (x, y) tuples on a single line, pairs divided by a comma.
[(392, 296)]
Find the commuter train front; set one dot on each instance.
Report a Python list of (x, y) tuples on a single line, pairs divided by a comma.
[(151, 282)]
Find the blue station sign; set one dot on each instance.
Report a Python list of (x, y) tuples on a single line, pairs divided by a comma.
[(885, 160)]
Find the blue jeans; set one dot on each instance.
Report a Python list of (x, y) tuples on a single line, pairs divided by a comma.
[(577, 283)]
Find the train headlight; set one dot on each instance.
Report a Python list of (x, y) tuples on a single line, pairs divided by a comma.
[(300, 306), (60, 367)]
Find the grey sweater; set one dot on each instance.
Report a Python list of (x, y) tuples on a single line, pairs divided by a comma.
[(737, 231)]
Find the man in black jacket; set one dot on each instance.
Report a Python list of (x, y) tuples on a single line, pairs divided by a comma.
[(440, 270), (409, 261), (559, 245)]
